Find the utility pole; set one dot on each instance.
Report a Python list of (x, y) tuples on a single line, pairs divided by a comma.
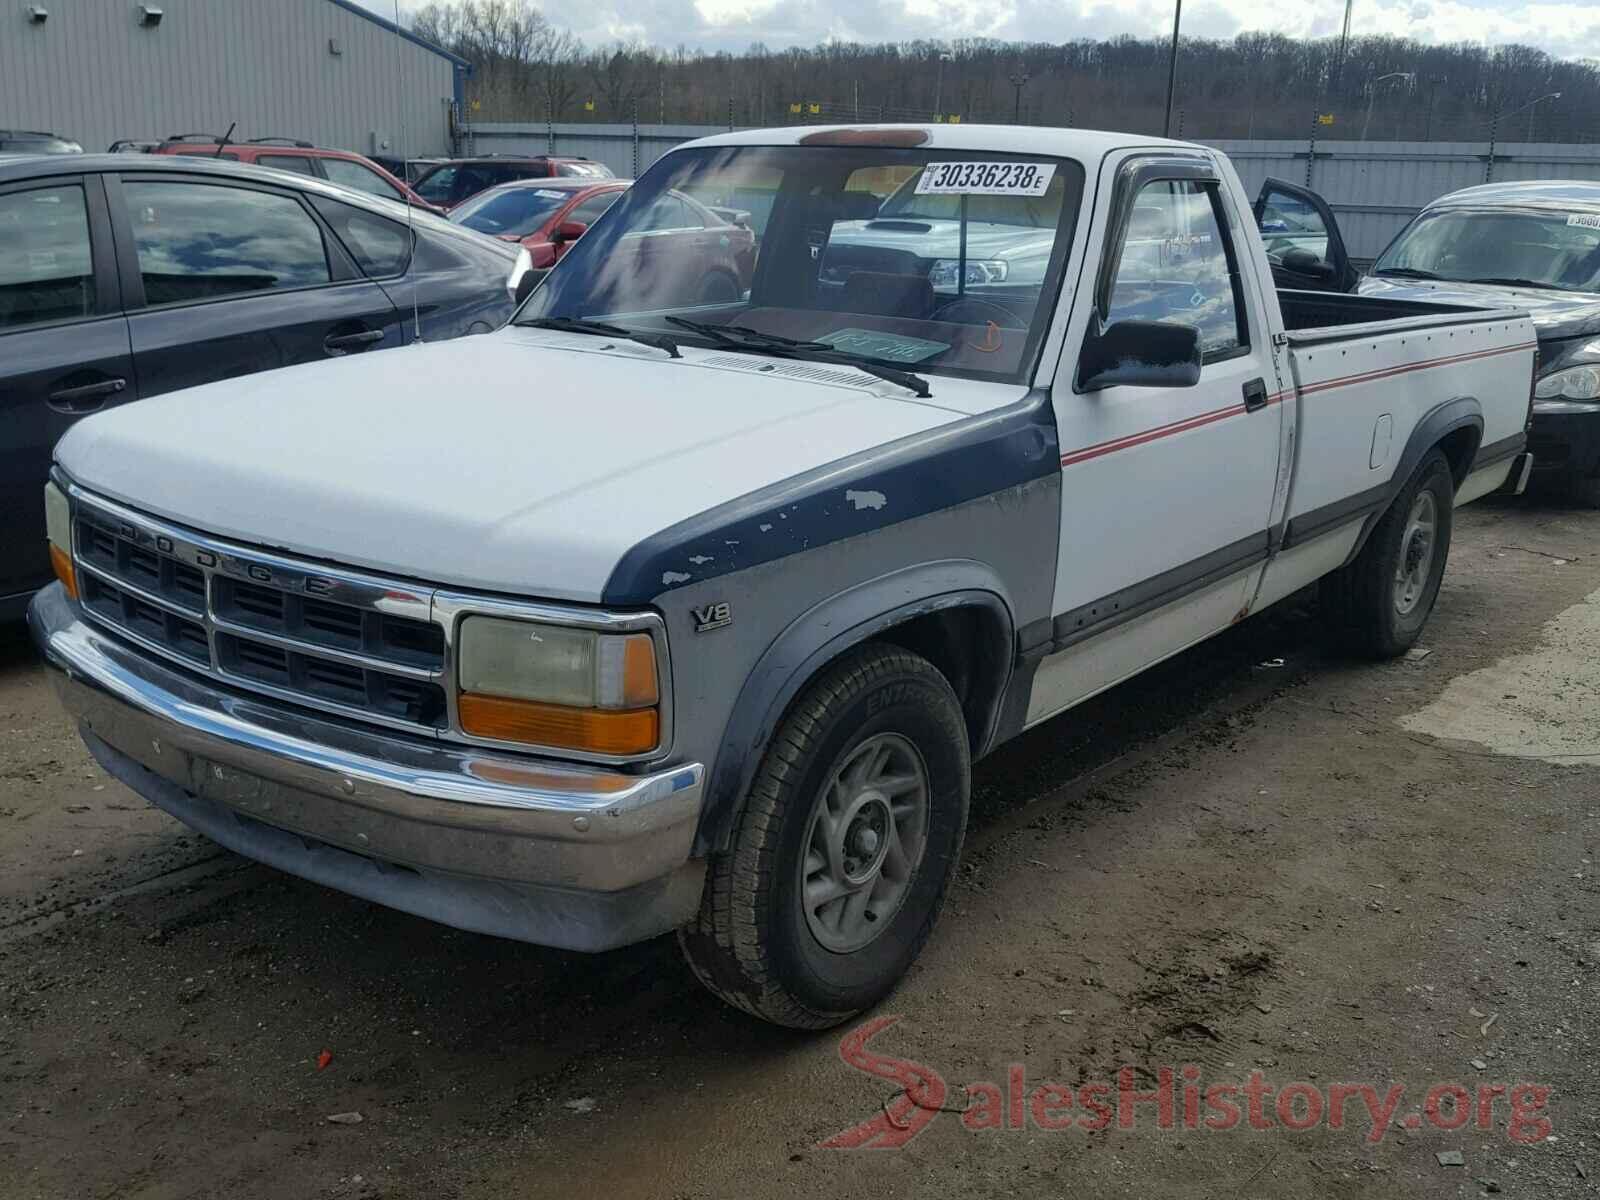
[(1172, 64), (1019, 80), (938, 87)]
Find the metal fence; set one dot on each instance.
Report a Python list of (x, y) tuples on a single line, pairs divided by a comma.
[(1374, 187)]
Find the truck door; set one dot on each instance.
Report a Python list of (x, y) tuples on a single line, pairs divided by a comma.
[(1166, 490), (63, 352), (1302, 238)]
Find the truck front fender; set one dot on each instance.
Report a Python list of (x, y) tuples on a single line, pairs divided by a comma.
[(830, 628)]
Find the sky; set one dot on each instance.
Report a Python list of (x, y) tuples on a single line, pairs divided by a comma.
[(1566, 28)]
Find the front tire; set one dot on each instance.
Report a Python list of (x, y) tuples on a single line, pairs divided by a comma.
[(845, 848), (1382, 600)]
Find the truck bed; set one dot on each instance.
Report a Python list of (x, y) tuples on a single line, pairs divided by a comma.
[(1324, 310)]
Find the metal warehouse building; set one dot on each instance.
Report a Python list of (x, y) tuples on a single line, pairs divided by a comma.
[(327, 71)]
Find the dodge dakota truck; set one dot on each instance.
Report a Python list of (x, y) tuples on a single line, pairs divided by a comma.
[(655, 611)]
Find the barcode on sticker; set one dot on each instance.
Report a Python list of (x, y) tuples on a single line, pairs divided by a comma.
[(985, 179), (1585, 220)]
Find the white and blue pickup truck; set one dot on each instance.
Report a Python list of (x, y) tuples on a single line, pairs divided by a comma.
[(665, 608)]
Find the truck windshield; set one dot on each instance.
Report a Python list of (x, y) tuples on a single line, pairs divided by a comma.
[(942, 262), (1514, 247)]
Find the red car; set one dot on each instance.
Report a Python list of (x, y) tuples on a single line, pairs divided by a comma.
[(339, 167), (547, 215)]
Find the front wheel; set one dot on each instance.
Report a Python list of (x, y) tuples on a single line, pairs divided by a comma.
[(841, 858), (1382, 600)]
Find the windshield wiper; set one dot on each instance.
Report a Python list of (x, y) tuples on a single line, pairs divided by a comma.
[(657, 341), (744, 338), (1527, 283), (743, 335), (1408, 273)]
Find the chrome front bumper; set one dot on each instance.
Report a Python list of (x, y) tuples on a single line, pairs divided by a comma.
[(582, 858)]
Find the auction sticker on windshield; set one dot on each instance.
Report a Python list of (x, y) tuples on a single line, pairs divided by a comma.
[(985, 179), (891, 347), (1585, 220)]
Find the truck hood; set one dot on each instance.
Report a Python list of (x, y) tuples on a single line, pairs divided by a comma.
[(1556, 315), (522, 461)]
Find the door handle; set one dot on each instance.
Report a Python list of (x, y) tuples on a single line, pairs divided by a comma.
[(339, 343), (85, 398), (1255, 395)]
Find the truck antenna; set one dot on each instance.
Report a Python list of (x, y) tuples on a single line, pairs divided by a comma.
[(411, 232)]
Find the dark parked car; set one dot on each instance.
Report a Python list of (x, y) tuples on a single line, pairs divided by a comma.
[(125, 276), (343, 167), (32, 141), (1530, 245), (452, 181)]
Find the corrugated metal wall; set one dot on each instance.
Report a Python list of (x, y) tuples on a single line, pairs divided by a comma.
[(92, 72), (1374, 187)]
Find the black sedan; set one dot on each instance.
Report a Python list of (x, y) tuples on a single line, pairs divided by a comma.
[(1528, 245), (126, 276)]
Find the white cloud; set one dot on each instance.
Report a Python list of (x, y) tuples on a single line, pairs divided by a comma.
[(1569, 30)]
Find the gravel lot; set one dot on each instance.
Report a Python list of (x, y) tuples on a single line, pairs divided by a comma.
[(1324, 871)]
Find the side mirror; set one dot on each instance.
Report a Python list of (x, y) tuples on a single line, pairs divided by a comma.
[(569, 231), (1139, 354), (1304, 262)]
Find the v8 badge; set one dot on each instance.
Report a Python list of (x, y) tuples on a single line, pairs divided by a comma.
[(711, 616)]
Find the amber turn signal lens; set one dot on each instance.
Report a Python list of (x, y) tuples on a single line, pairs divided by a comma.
[(61, 561), (639, 687), (596, 730)]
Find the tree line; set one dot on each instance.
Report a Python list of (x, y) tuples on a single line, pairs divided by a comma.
[(1255, 85)]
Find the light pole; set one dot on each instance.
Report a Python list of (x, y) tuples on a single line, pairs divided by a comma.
[(1172, 64), (938, 88), (1532, 106), (1372, 94), (1019, 80)]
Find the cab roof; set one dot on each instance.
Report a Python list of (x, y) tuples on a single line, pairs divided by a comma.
[(1535, 193), (1083, 144)]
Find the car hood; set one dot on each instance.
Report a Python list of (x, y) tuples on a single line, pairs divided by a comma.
[(1556, 315), (522, 461)]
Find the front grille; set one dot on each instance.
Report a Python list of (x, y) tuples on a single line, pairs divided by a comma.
[(327, 639)]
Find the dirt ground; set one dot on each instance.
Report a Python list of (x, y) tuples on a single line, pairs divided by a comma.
[(1258, 858)]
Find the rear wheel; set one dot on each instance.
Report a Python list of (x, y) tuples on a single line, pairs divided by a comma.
[(1382, 600), (846, 845)]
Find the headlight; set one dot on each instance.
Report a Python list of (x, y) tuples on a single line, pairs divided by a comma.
[(1575, 383), (521, 267), (58, 528), (947, 271), (550, 685)]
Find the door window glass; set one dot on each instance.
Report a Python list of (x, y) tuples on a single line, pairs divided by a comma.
[(1288, 222), (199, 241), (379, 245), (363, 179), (592, 209), (436, 186), (46, 268), (1175, 266), (298, 163)]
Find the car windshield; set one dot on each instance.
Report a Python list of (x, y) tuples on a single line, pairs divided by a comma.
[(512, 210), (1533, 247), (934, 261)]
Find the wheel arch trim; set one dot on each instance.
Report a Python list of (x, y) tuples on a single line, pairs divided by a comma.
[(819, 636)]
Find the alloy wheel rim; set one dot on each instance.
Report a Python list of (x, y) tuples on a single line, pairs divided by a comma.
[(864, 842), (1417, 548)]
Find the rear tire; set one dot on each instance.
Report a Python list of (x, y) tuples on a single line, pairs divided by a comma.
[(1381, 601), (841, 858), (718, 287)]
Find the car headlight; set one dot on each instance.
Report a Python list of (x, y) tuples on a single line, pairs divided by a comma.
[(1574, 383), (552, 685), (58, 529), (945, 272), (521, 267)]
